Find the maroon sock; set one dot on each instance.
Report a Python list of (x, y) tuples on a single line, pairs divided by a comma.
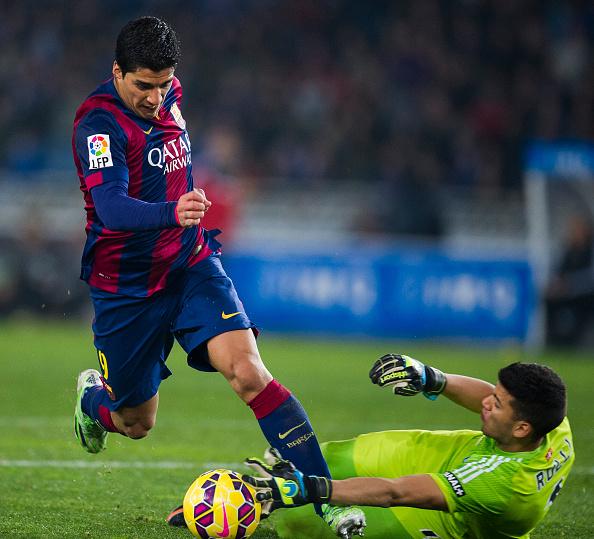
[(106, 420), (269, 399), (287, 428)]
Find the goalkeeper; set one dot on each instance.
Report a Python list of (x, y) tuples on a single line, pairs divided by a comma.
[(498, 483)]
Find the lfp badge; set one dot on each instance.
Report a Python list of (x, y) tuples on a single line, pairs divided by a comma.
[(99, 151)]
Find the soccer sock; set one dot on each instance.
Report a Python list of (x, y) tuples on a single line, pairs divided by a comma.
[(287, 428), (93, 404)]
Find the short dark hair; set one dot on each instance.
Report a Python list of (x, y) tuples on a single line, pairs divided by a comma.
[(539, 395), (147, 42)]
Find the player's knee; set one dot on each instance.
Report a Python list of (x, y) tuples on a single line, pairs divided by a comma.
[(139, 429), (248, 376)]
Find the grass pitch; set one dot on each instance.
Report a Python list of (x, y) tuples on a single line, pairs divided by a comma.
[(50, 488)]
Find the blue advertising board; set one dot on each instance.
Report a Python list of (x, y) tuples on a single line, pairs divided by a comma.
[(560, 159), (395, 294)]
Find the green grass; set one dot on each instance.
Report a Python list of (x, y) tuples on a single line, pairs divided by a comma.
[(202, 423)]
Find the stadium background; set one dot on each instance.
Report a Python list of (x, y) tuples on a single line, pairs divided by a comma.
[(367, 161), (396, 128)]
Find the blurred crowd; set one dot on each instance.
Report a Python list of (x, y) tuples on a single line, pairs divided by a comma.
[(405, 97), (405, 94), (39, 276)]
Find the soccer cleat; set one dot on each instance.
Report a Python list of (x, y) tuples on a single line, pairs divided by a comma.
[(345, 522), (90, 434), (176, 517)]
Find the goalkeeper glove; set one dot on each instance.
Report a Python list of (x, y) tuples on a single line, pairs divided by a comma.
[(407, 376), (283, 485)]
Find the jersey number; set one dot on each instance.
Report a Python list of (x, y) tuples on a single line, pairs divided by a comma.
[(556, 489), (103, 363)]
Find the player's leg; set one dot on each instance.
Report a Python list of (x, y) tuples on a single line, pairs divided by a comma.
[(131, 421), (132, 338), (392, 453), (381, 454), (281, 416), (217, 334), (136, 422)]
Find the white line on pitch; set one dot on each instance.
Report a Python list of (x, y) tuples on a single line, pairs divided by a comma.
[(163, 464)]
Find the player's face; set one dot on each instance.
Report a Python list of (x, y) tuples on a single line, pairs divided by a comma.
[(499, 418), (143, 90)]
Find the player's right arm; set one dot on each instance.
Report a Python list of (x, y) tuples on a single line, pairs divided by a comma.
[(408, 376), (411, 491), (101, 150), (285, 486)]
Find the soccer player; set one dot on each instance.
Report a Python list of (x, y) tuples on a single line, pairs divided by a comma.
[(498, 483), (155, 273)]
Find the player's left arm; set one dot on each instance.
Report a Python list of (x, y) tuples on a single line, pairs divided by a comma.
[(408, 377)]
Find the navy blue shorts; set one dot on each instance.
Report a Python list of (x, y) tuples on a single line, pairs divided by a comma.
[(133, 336)]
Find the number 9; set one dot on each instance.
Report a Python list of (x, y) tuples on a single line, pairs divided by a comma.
[(103, 363)]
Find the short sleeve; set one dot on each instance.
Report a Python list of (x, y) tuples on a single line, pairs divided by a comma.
[(101, 148), (478, 490)]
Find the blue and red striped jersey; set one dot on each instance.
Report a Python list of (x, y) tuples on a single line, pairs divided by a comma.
[(152, 158)]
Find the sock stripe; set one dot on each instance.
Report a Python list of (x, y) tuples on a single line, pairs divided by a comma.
[(269, 399), (106, 420)]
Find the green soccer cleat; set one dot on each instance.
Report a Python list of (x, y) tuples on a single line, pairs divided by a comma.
[(90, 434), (345, 522)]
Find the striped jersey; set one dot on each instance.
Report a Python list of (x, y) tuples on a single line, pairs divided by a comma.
[(153, 159)]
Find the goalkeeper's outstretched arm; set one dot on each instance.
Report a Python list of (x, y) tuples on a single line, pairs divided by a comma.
[(408, 376), (281, 485), (411, 491)]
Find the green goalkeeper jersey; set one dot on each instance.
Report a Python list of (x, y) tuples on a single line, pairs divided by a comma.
[(490, 493)]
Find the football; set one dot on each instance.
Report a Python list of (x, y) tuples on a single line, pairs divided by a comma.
[(219, 504)]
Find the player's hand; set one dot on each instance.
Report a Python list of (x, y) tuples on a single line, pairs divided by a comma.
[(282, 485), (407, 376), (191, 207)]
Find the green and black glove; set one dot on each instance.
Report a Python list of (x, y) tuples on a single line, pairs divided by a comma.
[(407, 376), (283, 485)]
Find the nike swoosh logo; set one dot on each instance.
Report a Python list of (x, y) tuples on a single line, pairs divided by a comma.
[(226, 316), (283, 435), (225, 532), (148, 131)]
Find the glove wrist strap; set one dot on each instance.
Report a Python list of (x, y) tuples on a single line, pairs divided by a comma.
[(319, 489), (435, 384)]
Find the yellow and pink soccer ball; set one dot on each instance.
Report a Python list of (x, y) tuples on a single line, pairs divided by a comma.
[(219, 504)]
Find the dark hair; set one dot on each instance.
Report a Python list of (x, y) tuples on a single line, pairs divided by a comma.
[(147, 42), (539, 395)]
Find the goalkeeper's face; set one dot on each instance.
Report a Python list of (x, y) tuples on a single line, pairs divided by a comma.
[(499, 418), (143, 90)]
